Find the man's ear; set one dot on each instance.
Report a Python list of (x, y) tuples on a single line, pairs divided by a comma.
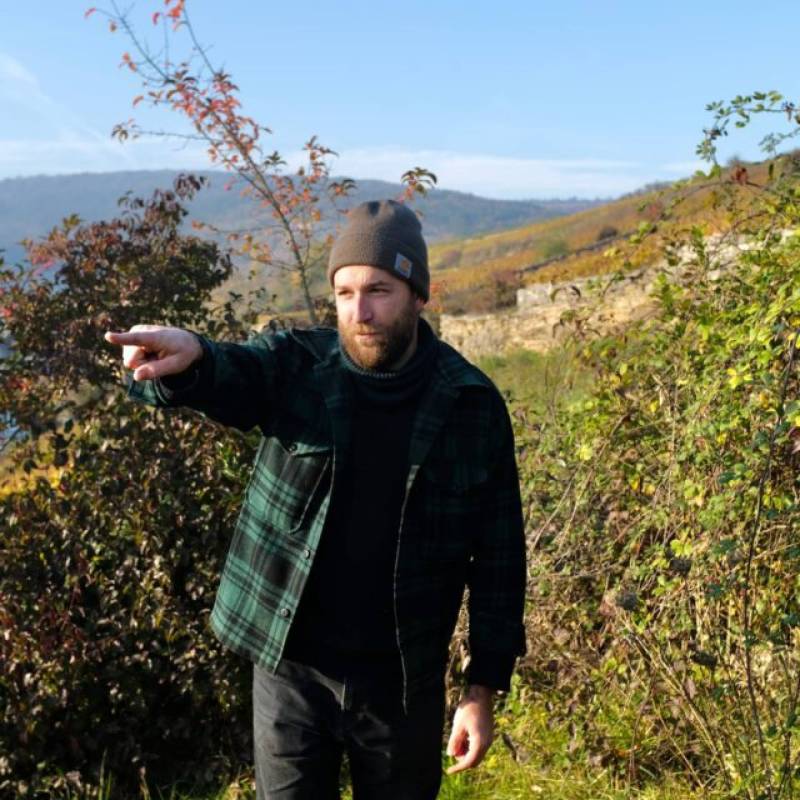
[(419, 302)]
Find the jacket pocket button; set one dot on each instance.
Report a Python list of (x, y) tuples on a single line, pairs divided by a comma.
[(284, 612), (306, 553), (292, 447)]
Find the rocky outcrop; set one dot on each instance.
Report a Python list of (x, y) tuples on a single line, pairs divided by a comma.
[(602, 304), (537, 322)]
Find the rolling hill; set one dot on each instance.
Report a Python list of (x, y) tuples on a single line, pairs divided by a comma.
[(31, 206), (482, 272)]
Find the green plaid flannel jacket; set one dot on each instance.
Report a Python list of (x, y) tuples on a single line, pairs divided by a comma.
[(461, 520)]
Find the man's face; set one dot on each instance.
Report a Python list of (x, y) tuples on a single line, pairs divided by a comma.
[(377, 316)]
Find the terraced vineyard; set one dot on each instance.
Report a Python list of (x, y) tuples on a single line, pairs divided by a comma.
[(482, 273)]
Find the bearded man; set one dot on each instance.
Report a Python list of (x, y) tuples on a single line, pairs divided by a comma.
[(385, 482)]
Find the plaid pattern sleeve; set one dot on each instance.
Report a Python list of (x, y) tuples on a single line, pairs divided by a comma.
[(231, 383), (497, 572)]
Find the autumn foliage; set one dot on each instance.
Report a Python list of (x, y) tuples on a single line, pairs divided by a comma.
[(288, 237), (115, 519)]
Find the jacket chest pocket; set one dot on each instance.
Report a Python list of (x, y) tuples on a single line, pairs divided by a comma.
[(453, 497), (288, 477)]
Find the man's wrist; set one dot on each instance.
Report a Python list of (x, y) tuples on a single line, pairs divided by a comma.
[(478, 693)]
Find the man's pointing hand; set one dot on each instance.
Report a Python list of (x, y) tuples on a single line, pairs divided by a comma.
[(153, 351)]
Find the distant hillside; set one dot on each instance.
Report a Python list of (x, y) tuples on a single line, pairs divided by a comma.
[(481, 273), (29, 207)]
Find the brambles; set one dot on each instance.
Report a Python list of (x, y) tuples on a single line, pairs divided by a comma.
[(672, 486)]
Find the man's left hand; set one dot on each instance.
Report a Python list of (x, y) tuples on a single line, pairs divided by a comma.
[(473, 729)]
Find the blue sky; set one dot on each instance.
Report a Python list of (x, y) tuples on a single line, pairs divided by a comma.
[(509, 99)]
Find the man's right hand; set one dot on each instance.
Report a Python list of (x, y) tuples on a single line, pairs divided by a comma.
[(153, 351)]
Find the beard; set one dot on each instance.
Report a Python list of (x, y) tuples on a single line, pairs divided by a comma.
[(388, 344)]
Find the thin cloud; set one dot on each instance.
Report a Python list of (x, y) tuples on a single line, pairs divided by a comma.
[(70, 154), (23, 95), (684, 167), (13, 73), (20, 87), (509, 178), (74, 146)]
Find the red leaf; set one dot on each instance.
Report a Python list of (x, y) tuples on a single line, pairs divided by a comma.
[(128, 61), (89, 12), (176, 11), (155, 17), (138, 99)]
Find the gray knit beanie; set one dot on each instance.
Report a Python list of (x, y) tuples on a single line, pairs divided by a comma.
[(384, 234)]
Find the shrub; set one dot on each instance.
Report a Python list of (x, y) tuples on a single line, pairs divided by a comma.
[(555, 248), (505, 285), (607, 232), (111, 552), (663, 513)]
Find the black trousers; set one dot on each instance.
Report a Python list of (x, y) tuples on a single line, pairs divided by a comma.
[(305, 721)]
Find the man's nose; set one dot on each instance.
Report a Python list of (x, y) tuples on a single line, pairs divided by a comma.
[(363, 308)]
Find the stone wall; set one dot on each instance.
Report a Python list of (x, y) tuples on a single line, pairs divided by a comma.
[(606, 304), (536, 322)]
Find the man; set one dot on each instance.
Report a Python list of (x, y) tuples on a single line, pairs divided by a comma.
[(385, 482)]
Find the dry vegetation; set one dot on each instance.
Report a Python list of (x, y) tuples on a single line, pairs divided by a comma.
[(482, 273), (475, 274)]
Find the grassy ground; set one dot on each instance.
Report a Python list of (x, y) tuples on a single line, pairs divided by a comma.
[(532, 758), (540, 768)]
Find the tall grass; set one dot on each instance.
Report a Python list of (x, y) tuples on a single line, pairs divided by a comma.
[(543, 382)]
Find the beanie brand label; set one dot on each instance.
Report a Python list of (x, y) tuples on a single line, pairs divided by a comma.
[(402, 265)]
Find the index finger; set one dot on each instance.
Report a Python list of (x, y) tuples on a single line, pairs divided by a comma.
[(142, 339)]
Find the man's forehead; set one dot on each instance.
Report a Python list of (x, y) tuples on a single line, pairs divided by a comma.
[(362, 276)]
